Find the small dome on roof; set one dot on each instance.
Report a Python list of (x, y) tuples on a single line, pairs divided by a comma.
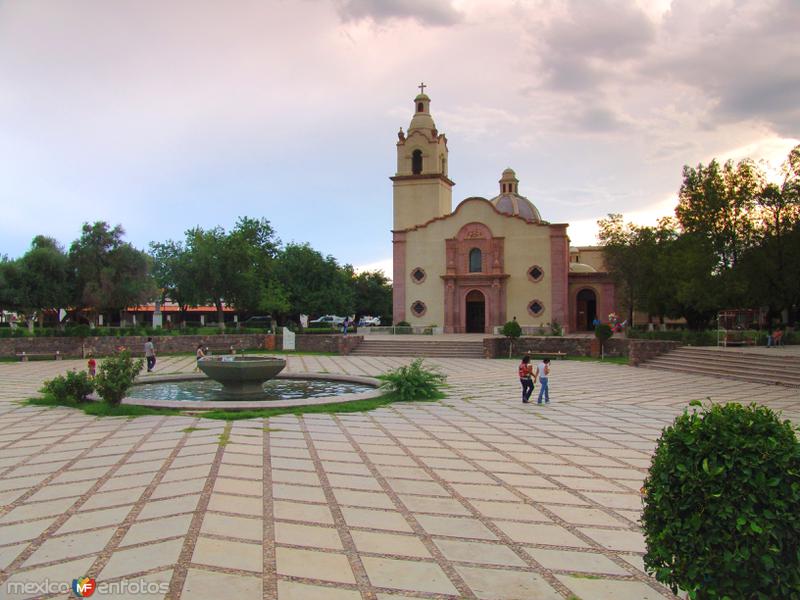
[(576, 267), (422, 97), (511, 203)]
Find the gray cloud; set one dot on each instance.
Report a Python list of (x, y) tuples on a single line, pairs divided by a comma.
[(600, 120), (579, 46), (426, 12), (742, 55)]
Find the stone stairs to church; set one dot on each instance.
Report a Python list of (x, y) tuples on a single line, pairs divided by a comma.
[(755, 367), (408, 346)]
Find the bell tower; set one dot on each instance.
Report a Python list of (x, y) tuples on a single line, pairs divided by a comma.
[(422, 189)]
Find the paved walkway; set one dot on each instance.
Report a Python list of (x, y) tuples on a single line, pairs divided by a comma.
[(476, 496)]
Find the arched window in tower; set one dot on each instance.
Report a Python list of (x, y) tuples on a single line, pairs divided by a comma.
[(475, 260), (416, 162), (420, 107)]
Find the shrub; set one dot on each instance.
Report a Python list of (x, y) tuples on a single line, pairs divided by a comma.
[(512, 331), (73, 386), (722, 505), (403, 324), (414, 382), (116, 376), (556, 329)]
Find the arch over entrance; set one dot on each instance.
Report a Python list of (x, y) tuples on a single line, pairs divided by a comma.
[(585, 309), (475, 312)]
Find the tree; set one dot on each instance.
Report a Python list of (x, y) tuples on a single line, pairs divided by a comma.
[(372, 294), (109, 274), (719, 204), (630, 255), (769, 267), (315, 284), (43, 278), (234, 268), (175, 275)]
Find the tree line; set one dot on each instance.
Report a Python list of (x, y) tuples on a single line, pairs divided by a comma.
[(247, 267), (734, 242)]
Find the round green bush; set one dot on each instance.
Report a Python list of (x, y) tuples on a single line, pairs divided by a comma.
[(722, 505), (116, 376)]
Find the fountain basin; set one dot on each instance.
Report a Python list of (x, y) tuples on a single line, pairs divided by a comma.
[(368, 384), (241, 376)]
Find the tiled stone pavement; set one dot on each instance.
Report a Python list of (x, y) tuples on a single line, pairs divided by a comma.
[(477, 496)]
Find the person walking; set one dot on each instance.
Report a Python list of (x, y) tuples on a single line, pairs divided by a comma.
[(150, 354), (543, 374), (526, 378)]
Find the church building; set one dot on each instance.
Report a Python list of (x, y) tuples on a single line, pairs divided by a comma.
[(474, 268)]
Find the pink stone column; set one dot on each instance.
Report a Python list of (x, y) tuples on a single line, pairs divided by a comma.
[(559, 273), (398, 276)]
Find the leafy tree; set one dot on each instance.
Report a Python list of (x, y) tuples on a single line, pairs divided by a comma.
[(109, 274), (373, 294), (315, 284), (175, 274), (630, 254), (234, 268), (769, 269), (274, 299), (718, 202), (36, 281)]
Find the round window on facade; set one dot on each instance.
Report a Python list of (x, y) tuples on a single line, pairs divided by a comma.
[(535, 273), (418, 308), (535, 308), (418, 275)]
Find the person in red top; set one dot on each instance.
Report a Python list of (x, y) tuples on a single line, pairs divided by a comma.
[(526, 378), (92, 364)]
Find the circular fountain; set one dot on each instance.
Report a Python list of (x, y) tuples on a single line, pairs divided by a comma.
[(247, 382), (241, 376)]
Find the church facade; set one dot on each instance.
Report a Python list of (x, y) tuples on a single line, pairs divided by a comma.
[(488, 261)]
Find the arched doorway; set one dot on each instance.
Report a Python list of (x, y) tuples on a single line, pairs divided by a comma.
[(585, 310), (476, 312)]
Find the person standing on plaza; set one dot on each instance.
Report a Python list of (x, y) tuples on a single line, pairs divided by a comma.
[(92, 365), (543, 374), (150, 354), (526, 378)]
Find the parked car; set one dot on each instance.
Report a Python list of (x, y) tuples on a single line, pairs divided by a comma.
[(366, 321), (329, 320), (264, 322)]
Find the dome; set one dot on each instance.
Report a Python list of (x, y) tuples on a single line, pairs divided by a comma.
[(509, 202), (576, 267), (514, 204)]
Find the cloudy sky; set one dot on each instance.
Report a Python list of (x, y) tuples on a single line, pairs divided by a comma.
[(166, 114)]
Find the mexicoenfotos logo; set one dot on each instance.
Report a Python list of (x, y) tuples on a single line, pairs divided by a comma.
[(84, 586)]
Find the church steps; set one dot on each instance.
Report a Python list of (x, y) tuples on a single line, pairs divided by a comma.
[(741, 366), (444, 349)]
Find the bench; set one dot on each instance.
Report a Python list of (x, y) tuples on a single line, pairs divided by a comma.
[(558, 355), (26, 356), (220, 349), (737, 340)]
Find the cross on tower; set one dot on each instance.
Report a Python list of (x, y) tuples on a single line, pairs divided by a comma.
[(422, 87)]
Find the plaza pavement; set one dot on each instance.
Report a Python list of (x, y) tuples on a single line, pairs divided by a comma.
[(476, 496)]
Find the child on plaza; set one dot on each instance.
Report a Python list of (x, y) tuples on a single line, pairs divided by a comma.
[(92, 365), (199, 353), (543, 374), (526, 378)]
